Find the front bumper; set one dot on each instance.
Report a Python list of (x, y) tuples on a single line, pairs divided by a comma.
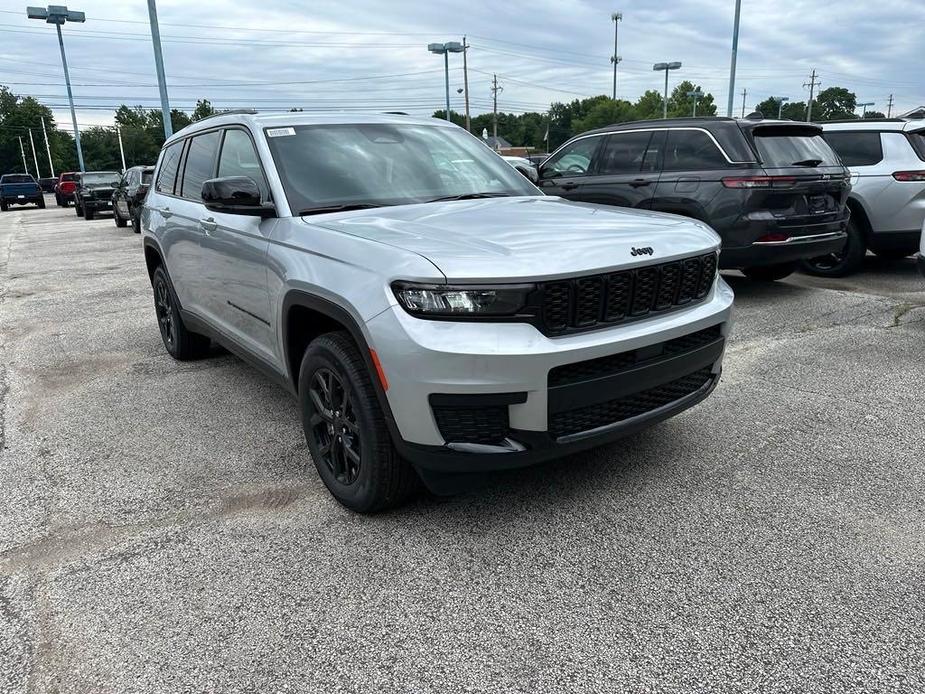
[(96, 203), (508, 365)]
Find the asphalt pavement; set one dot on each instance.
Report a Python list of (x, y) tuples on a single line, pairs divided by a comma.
[(162, 530)]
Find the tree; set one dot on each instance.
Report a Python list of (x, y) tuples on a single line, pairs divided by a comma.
[(19, 116), (835, 103), (649, 105), (874, 114), (681, 105), (203, 109), (605, 113)]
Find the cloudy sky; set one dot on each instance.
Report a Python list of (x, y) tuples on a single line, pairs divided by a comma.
[(363, 54)]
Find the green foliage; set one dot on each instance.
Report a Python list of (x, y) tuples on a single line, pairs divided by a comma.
[(795, 110), (874, 114), (680, 105), (835, 103), (203, 109), (19, 115)]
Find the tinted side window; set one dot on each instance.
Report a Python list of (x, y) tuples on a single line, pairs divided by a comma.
[(575, 159), (239, 158), (856, 148), (200, 164), (917, 140), (691, 150), (167, 175), (625, 153)]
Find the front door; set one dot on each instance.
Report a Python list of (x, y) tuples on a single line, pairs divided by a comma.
[(627, 170), (566, 172)]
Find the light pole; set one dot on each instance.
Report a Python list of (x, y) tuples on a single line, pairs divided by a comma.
[(159, 67), (58, 15), (616, 17), (445, 49), (695, 95), (732, 62), (865, 105), (780, 104), (666, 67)]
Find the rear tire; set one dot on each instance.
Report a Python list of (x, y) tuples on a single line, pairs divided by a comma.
[(182, 344), (769, 273), (849, 260), (136, 222), (346, 431), (3, 206), (41, 202)]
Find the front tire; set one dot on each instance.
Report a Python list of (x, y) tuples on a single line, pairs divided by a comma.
[(136, 222), (346, 431), (769, 273), (88, 214), (840, 264), (78, 209), (41, 202), (182, 344), (120, 222)]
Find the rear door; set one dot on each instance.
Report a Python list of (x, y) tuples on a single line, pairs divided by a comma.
[(693, 167), (811, 183), (627, 170), (568, 169)]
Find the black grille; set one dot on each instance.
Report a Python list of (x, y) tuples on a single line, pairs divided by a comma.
[(587, 302), (488, 425), (614, 363), (613, 411)]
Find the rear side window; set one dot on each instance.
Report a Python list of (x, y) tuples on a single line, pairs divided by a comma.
[(624, 153), (146, 176), (917, 140), (200, 164), (575, 159), (239, 158), (783, 147), (691, 150), (170, 161), (857, 148)]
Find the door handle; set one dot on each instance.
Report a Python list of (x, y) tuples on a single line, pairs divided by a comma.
[(208, 225), (640, 182), (166, 213), (569, 186)]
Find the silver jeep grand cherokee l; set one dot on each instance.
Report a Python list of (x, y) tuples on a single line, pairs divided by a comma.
[(432, 311)]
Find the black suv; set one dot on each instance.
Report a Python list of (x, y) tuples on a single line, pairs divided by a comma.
[(94, 192), (773, 190), (129, 196)]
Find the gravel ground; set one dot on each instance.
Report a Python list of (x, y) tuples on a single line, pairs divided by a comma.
[(160, 531)]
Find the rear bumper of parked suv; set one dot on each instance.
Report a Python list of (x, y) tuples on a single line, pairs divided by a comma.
[(468, 397), (782, 240)]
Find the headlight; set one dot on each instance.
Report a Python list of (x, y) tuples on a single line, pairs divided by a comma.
[(446, 300)]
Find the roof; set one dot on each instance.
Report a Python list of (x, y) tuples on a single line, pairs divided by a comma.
[(918, 112), (876, 124), (291, 118)]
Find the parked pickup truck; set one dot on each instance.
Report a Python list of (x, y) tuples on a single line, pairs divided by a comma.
[(19, 189), (64, 190)]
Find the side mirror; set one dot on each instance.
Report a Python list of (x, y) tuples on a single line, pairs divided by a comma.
[(235, 195), (547, 173)]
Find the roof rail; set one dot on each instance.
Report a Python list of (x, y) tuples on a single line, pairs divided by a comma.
[(231, 112), (865, 120)]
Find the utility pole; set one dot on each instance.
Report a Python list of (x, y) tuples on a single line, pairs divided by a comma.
[(694, 95), (889, 107), (617, 17), (744, 96), (732, 63), (48, 149), (121, 150), (159, 66), (494, 98), (466, 83), (35, 157), (23, 153), (812, 84)]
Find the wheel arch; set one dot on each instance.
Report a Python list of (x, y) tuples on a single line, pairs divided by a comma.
[(860, 215), (153, 256)]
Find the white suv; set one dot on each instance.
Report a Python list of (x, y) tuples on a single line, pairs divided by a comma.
[(887, 201), (432, 311)]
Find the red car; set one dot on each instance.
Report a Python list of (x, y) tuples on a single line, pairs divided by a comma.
[(65, 187)]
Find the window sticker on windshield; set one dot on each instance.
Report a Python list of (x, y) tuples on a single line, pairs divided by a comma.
[(280, 132)]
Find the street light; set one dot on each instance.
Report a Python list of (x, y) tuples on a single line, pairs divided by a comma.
[(666, 67), (58, 15), (695, 95), (780, 104), (865, 105), (616, 17), (445, 49)]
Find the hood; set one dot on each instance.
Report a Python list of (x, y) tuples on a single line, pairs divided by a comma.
[(526, 238)]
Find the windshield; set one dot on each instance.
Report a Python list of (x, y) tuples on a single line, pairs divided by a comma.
[(17, 178), (68, 177), (779, 148), (147, 176), (96, 178), (372, 164)]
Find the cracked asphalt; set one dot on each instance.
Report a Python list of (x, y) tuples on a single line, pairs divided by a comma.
[(159, 530)]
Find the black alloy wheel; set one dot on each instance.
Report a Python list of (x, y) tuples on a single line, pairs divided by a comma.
[(163, 306), (334, 426)]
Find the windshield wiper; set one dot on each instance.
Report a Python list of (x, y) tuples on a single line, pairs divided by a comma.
[(807, 162), (338, 208), (470, 196)]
